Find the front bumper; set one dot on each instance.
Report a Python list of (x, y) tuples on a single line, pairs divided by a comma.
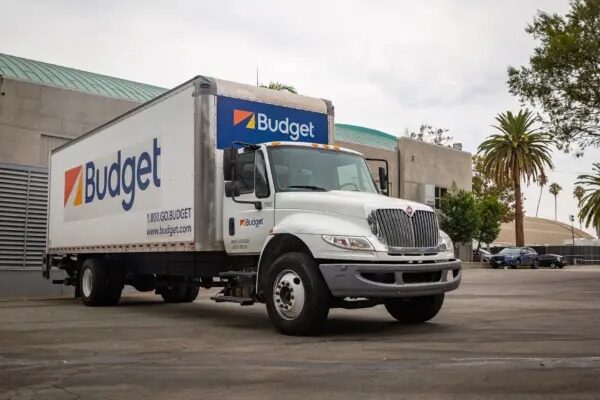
[(391, 280)]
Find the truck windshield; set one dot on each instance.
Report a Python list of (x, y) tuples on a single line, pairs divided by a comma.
[(311, 169)]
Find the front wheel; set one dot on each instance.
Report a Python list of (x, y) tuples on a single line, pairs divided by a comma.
[(415, 310), (536, 264), (297, 297)]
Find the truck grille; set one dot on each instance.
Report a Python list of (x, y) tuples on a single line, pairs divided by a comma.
[(398, 230)]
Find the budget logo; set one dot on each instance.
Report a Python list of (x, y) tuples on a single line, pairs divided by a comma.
[(256, 222), (74, 179), (111, 184), (263, 123), (247, 117)]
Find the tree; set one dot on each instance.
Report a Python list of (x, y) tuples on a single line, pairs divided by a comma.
[(590, 203), (427, 133), (458, 215), (578, 194), (555, 188), (518, 152), (483, 185), (489, 213), (280, 86), (563, 76), (542, 181)]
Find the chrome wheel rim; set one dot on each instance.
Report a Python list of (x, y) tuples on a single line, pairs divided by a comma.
[(86, 282), (288, 294)]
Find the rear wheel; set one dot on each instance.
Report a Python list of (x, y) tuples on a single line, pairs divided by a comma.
[(97, 285), (536, 264), (179, 293), (517, 264), (297, 297), (415, 309)]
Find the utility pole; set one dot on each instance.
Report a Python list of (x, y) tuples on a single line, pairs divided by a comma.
[(572, 219)]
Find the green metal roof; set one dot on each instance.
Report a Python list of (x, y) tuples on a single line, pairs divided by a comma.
[(365, 136), (43, 73)]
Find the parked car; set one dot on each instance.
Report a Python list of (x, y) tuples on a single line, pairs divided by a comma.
[(515, 257), (482, 255), (551, 260)]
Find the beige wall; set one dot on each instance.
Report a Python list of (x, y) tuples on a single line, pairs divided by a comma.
[(375, 152), (36, 118), (424, 163)]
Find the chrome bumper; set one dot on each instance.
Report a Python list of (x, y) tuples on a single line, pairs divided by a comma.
[(391, 280)]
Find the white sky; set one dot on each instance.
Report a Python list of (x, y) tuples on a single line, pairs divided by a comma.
[(388, 65)]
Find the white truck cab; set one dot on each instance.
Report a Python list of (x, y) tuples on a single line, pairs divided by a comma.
[(219, 184)]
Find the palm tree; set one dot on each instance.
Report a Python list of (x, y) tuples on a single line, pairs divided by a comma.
[(542, 181), (590, 210), (578, 193), (280, 86), (518, 152), (555, 188)]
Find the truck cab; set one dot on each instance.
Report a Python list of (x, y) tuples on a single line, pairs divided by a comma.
[(316, 218)]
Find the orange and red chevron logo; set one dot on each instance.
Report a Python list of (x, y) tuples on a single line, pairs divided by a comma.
[(241, 116), (74, 177)]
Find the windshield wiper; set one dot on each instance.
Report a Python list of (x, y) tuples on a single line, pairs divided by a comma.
[(311, 187)]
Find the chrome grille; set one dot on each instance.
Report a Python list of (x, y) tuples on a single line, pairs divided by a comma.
[(398, 230)]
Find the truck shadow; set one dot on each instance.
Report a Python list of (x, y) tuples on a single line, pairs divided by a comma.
[(255, 318)]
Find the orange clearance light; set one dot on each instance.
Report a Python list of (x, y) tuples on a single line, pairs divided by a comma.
[(314, 145), (275, 143)]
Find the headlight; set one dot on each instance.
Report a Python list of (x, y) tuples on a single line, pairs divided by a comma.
[(444, 242), (348, 242)]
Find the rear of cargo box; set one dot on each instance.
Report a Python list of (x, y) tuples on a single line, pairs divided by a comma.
[(129, 184)]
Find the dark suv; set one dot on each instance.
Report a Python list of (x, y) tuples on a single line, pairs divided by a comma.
[(515, 257)]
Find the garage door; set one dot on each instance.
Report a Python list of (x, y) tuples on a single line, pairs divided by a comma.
[(23, 215)]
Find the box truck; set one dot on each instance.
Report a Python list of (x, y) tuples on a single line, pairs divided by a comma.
[(219, 184)]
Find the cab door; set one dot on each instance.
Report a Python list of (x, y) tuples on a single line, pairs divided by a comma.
[(246, 225)]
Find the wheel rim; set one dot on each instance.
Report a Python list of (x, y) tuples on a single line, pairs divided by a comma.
[(86, 282), (553, 265), (288, 294)]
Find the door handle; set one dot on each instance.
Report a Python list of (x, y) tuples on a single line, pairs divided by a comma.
[(231, 226)]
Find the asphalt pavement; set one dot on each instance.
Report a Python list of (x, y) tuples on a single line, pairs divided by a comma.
[(504, 334)]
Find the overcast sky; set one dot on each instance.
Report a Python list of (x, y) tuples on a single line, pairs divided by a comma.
[(388, 65)]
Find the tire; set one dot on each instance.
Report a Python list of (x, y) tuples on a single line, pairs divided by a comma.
[(191, 294), (96, 286), (415, 310), (552, 265), (517, 264), (297, 297), (535, 264), (174, 294)]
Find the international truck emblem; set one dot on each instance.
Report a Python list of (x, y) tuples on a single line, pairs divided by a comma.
[(410, 211)]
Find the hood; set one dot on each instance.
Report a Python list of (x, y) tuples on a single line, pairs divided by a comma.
[(353, 204)]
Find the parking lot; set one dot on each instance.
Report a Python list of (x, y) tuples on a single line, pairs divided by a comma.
[(504, 334)]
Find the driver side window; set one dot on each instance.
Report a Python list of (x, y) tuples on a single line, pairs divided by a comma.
[(245, 172)]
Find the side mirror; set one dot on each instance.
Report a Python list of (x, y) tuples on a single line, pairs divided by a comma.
[(232, 189), (230, 159), (383, 180)]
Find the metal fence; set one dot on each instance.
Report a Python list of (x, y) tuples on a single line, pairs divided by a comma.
[(583, 254), (23, 215)]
